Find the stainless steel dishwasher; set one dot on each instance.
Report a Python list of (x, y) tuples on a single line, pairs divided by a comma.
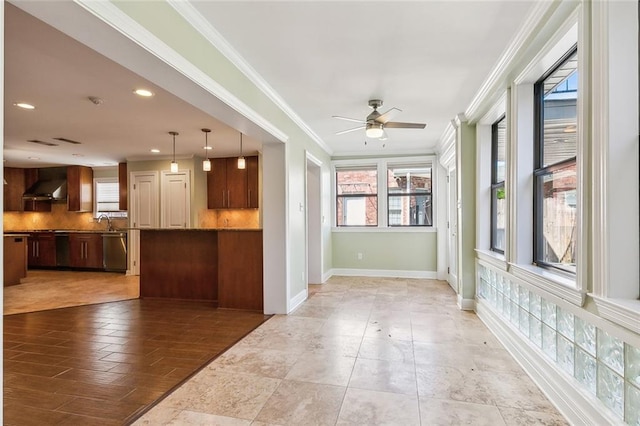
[(114, 249)]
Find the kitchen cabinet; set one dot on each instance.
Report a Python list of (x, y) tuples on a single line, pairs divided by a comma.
[(42, 249), (231, 188), (79, 189), (13, 189), (15, 258), (240, 270), (30, 177), (122, 186), (85, 250)]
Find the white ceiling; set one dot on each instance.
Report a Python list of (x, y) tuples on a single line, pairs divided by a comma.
[(427, 58)]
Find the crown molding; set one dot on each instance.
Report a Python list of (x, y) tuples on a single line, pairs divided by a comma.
[(509, 57), (127, 26), (204, 27)]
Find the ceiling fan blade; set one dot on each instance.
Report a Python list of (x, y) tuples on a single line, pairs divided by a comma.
[(350, 130), (348, 119), (388, 115), (399, 125)]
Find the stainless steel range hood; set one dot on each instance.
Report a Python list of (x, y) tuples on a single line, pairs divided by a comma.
[(55, 189)]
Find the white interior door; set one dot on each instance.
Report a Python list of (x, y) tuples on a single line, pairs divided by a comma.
[(144, 206), (176, 200), (453, 229)]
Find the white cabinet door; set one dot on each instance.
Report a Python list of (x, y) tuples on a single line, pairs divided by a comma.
[(176, 200)]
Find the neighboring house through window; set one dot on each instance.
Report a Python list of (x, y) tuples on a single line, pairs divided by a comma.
[(406, 181)]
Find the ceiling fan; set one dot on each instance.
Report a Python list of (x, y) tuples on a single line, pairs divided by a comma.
[(375, 123)]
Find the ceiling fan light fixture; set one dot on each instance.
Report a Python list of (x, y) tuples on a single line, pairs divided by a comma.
[(374, 130)]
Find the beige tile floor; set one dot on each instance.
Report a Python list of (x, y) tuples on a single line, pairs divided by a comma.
[(368, 351)]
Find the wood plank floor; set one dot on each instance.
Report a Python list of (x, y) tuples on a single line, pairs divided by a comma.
[(108, 363)]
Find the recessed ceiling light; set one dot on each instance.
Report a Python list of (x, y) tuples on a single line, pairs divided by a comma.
[(143, 92), (77, 155), (207, 147), (34, 158), (155, 151), (24, 105)]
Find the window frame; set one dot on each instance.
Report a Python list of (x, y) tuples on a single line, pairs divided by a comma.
[(495, 184), (381, 164), (119, 214), (345, 197), (402, 195), (540, 169)]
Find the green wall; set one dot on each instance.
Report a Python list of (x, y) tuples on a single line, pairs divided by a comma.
[(402, 251)]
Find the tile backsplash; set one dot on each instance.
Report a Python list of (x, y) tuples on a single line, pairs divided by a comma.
[(57, 218), (240, 218)]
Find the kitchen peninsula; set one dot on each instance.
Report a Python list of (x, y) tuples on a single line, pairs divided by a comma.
[(222, 266)]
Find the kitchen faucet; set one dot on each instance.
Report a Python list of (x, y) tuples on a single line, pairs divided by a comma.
[(109, 224)]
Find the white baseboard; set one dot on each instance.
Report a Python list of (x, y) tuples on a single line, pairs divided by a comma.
[(466, 304), (297, 300), (578, 406), (388, 273), (326, 276)]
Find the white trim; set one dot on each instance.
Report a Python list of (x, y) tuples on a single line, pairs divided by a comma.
[(446, 148), (297, 300), (549, 282), (121, 22), (493, 83), (326, 275), (466, 304), (494, 259), (576, 406), (383, 229), (624, 312), (386, 273), (204, 27)]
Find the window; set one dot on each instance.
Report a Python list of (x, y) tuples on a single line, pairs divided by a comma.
[(498, 200), (409, 196), (357, 197), (107, 197), (406, 181), (555, 174)]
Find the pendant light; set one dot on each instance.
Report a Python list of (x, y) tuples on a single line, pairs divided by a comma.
[(241, 162), (174, 165), (206, 163)]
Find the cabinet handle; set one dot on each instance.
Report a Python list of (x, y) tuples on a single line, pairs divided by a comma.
[(38, 249), (223, 198), (228, 198)]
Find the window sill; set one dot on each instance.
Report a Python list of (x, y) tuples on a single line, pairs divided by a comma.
[(549, 282), (418, 229), (624, 312), (494, 259)]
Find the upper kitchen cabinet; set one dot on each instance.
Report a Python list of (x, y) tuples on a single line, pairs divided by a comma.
[(14, 187), (231, 188), (79, 189), (122, 186)]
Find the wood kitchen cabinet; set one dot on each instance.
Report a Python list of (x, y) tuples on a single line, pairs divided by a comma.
[(41, 250), (85, 250), (13, 189), (79, 189), (122, 186), (231, 188)]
